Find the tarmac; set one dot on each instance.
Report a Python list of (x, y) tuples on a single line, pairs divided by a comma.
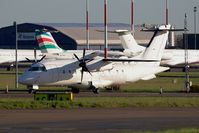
[(97, 120)]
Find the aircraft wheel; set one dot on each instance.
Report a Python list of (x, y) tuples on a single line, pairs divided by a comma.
[(96, 91)]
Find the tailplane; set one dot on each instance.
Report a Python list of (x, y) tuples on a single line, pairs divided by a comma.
[(131, 47), (156, 46), (46, 42)]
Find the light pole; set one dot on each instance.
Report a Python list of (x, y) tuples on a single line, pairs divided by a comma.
[(167, 13), (195, 10), (87, 24), (132, 17), (105, 30), (16, 55), (187, 82)]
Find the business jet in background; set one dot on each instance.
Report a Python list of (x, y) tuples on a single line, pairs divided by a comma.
[(80, 73)]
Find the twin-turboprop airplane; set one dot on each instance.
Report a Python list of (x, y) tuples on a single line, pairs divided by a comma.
[(98, 72), (171, 57)]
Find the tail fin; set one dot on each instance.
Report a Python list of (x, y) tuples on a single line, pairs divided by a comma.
[(131, 47), (46, 42), (157, 43)]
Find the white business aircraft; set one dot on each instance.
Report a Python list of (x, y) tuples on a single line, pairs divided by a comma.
[(98, 72), (171, 57)]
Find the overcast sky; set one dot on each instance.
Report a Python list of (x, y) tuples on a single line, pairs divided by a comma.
[(67, 11)]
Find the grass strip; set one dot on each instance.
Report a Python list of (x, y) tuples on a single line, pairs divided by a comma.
[(101, 102)]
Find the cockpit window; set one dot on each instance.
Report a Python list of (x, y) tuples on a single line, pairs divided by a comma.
[(38, 68)]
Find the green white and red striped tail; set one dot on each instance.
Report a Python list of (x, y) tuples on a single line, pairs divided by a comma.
[(46, 42)]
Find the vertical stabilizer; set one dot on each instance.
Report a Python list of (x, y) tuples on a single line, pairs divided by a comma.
[(157, 43), (131, 47), (46, 42)]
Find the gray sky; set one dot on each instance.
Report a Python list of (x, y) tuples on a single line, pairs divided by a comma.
[(64, 11)]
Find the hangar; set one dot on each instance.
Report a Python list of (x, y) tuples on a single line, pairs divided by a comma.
[(26, 37)]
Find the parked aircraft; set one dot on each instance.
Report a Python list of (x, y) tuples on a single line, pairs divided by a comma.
[(98, 73), (50, 48), (9, 56), (171, 57)]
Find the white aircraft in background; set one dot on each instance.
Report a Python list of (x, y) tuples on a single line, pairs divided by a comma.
[(9, 56), (99, 72), (50, 48), (171, 57)]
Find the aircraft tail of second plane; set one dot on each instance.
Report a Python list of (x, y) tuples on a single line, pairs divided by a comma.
[(46, 42)]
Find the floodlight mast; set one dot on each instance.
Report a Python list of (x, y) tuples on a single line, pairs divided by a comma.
[(132, 17), (87, 24), (105, 30), (167, 13), (16, 55), (195, 38), (187, 81)]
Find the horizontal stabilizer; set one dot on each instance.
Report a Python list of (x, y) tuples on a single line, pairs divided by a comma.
[(117, 31), (154, 30), (130, 60)]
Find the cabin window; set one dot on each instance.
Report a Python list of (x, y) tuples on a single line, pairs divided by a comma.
[(64, 71), (69, 71)]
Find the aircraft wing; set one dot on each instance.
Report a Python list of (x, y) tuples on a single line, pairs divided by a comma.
[(106, 64), (110, 53), (99, 65), (129, 60), (179, 62), (12, 60)]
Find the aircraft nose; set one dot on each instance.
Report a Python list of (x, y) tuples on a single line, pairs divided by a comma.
[(27, 79)]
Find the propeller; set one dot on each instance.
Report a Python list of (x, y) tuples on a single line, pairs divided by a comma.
[(35, 57), (35, 61), (82, 64)]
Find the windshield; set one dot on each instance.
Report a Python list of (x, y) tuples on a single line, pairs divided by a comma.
[(39, 67)]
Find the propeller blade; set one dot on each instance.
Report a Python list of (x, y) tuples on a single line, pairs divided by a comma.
[(76, 57), (42, 58), (82, 74), (86, 69), (28, 59), (84, 51)]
